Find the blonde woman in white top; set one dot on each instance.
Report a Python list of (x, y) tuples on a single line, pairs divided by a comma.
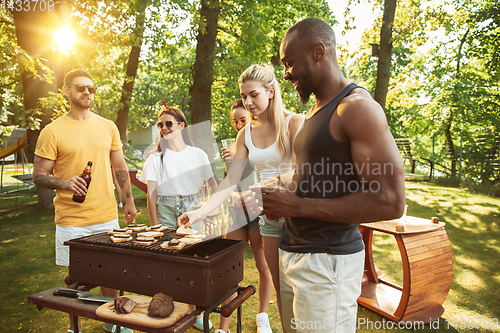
[(271, 134)]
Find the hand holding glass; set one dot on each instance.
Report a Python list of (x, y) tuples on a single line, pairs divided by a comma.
[(228, 144), (245, 203), (269, 183)]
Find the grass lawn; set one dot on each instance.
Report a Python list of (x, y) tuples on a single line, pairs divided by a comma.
[(472, 222)]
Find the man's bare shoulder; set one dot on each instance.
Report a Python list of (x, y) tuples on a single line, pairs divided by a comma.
[(359, 115), (359, 101)]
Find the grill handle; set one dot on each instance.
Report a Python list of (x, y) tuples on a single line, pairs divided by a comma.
[(228, 309)]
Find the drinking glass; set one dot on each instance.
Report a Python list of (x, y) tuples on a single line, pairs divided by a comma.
[(229, 144), (269, 183)]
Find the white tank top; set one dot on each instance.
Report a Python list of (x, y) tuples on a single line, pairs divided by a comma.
[(268, 161)]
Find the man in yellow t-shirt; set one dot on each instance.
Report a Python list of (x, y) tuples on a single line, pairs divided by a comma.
[(62, 152)]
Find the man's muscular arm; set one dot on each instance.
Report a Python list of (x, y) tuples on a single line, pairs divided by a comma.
[(43, 177)]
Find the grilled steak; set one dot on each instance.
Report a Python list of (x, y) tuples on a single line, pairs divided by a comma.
[(124, 304), (161, 306)]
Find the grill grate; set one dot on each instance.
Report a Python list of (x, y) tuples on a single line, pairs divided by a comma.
[(104, 240)]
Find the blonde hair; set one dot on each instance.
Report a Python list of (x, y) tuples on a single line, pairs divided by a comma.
[(277, 111)]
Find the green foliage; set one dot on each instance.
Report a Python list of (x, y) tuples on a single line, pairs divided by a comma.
[(250, 33), (452, 85), (14, 61), (481, 155), (56, 102), (165, 75)]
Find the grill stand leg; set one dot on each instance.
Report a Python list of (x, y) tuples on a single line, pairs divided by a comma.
[(206, 328), (216, 309), (238, 323), (248, 292), (75, 324)]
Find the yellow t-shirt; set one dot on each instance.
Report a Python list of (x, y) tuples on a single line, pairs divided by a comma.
[(71, 144)]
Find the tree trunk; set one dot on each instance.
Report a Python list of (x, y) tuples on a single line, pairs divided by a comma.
[(201, 90), (431, 166), (385, 53), (131, 72), (455, 105), (451, 146), (33, 30)]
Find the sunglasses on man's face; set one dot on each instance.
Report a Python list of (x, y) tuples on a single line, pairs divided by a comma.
[(81, 88), (168, 123), (243, 122)]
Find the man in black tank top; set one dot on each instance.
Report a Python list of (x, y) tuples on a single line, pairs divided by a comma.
[(348, 171)]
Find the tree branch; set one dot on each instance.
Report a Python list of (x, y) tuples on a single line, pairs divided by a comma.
[(8, 84), (459, 54), (234, 34)]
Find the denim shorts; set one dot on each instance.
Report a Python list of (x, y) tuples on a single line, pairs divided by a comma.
[(252, 225), (271, 228), (240, 221), (172, 206)]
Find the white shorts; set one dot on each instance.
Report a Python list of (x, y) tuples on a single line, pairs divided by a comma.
[(66, 233), (319, 291)]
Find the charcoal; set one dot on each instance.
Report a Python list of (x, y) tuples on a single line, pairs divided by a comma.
[(161, 306)]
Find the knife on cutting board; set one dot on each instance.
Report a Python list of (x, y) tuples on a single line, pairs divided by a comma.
[(83, 295)]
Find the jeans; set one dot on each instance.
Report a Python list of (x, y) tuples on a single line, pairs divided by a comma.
[(172, 206)]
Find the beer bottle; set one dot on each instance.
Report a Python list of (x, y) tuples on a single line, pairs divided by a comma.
[(85, 175)]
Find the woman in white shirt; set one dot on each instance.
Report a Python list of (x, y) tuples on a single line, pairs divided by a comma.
[(175, 171)]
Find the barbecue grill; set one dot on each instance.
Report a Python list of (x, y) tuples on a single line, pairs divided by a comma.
[(202, 274)]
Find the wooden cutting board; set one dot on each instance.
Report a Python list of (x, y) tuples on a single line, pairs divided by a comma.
[(140, 313)]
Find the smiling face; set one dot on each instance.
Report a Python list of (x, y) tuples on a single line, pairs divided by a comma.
[(175, 131), (255, 97), (294, 56), (84, 99), (239, 118)]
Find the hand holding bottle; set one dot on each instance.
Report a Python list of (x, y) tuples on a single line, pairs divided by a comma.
[(86, 178)]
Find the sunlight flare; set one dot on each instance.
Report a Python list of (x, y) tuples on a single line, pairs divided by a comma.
[(64, 39)]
